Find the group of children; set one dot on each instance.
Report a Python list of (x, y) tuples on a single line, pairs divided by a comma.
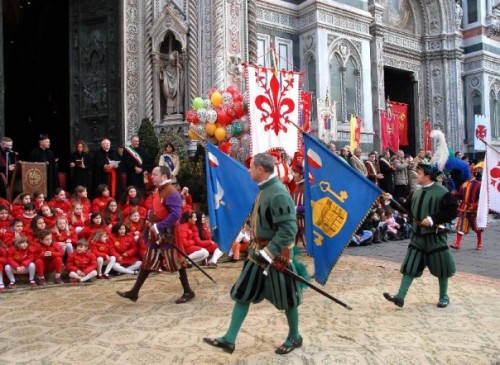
[(87, 238), (382, 224)]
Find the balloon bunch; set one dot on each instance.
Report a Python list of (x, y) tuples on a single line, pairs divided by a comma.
[(222, 119)]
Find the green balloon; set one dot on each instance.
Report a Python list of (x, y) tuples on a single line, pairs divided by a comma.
[(237, 128), (198, 103)]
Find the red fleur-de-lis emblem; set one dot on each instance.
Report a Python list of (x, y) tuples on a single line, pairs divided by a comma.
[(274, 104), (481, 131)]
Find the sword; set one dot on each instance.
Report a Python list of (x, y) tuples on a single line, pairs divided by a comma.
[(307, 283), (192, 262)]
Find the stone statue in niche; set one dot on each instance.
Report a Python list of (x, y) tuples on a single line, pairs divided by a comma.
[(458, 14), (171, 75)]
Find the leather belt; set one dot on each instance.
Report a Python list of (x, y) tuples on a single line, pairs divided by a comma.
[(261, 242)]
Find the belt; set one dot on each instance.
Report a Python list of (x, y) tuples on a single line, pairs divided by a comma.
[(261, 242)]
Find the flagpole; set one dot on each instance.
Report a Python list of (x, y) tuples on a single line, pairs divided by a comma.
[(489, 144)]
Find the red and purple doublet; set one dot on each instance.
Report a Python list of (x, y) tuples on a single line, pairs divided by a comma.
[(467, 211)]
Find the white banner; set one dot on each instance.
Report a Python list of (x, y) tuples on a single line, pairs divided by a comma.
[(482, 129), (274, 106), (489, 195)]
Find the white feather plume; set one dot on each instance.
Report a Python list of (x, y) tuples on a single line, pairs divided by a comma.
[(440, 155)]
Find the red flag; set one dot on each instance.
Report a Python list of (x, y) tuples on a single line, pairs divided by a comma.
[(401, 111), (388, 131), (358, 131), (427, 135), (305, 109)]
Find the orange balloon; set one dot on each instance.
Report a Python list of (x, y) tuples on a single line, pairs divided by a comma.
[(220, 134), (193, 135), (210, 128), (216, 99)]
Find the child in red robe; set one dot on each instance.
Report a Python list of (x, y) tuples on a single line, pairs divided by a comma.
[(124, 248), (102, 199), (64, 235), (21, 260), (48, 258), (82, 264), (101, 248)]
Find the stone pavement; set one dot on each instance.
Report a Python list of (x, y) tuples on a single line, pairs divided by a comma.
[(90, 324), (485, 262)]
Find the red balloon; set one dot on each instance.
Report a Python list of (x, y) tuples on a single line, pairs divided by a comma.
[(192, 117), (237, 98), (222, 116), (232, 89), (231, 114), (239, 109)]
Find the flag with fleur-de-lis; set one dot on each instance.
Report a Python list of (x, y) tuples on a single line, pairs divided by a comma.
[(274, 109)]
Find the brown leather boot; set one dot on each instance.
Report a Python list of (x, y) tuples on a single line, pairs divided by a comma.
[(458, 242)]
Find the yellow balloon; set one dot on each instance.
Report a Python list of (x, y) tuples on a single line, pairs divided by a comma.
[(193, 135), (210, 128), (220, 134), (216, 99)]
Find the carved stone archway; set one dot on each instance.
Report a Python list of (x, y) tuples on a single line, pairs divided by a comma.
[(169, 21)]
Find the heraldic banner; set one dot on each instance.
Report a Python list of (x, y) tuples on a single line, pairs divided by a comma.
[(489, 195), (355, 132), (230, 194), (273, 105), (339, 197), (401, 111), (34, 177), (427, 135), (482, 130), (389, 131)]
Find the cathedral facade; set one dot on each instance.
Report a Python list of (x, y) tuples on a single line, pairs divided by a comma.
[(443, 52)]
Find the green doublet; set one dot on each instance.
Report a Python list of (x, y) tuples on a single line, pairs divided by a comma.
[(428, 247), (273, 219)]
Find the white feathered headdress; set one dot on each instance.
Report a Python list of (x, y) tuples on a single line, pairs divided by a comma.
[(441, 153)]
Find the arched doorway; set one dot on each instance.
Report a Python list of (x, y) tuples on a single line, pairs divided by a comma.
[(36, 69)]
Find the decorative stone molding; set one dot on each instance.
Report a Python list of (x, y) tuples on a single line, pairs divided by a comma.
[(171, 20), (131, 77)]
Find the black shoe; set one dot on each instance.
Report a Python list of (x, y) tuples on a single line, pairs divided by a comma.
[(392, 298), (186, 297), (443, 302), (128, 295), (288, 346), (226, 346)]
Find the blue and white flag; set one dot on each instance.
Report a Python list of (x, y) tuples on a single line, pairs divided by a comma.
[(337, 199), (230, 194)]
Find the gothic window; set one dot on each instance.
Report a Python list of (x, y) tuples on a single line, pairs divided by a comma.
[(477, 105), (345, 86), (263, 42), (495, 115), (284, 49), (311, 74), (472, 11)]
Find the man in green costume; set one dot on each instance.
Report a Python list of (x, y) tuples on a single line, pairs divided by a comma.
[(274, 226), (431, 206)]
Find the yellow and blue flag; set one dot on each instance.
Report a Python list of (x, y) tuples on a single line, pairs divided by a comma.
[(230, 194), (338, 198)]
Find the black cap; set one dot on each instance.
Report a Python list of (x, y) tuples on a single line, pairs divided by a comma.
[(43, 136), (430, 170)]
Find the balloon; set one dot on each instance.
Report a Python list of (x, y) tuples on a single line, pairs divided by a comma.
[(210, 128), (211, 116), (200, 129), (191, 116), (222, 116), (237, 128), (202, 115), (245, 123), (237, 97), (216, 99), (198, 103), (229, 131), (227, 98), (220, 134), (239, 109), (245, 141), (232, 89), (207, 103), (193, 135), (231, 113)]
